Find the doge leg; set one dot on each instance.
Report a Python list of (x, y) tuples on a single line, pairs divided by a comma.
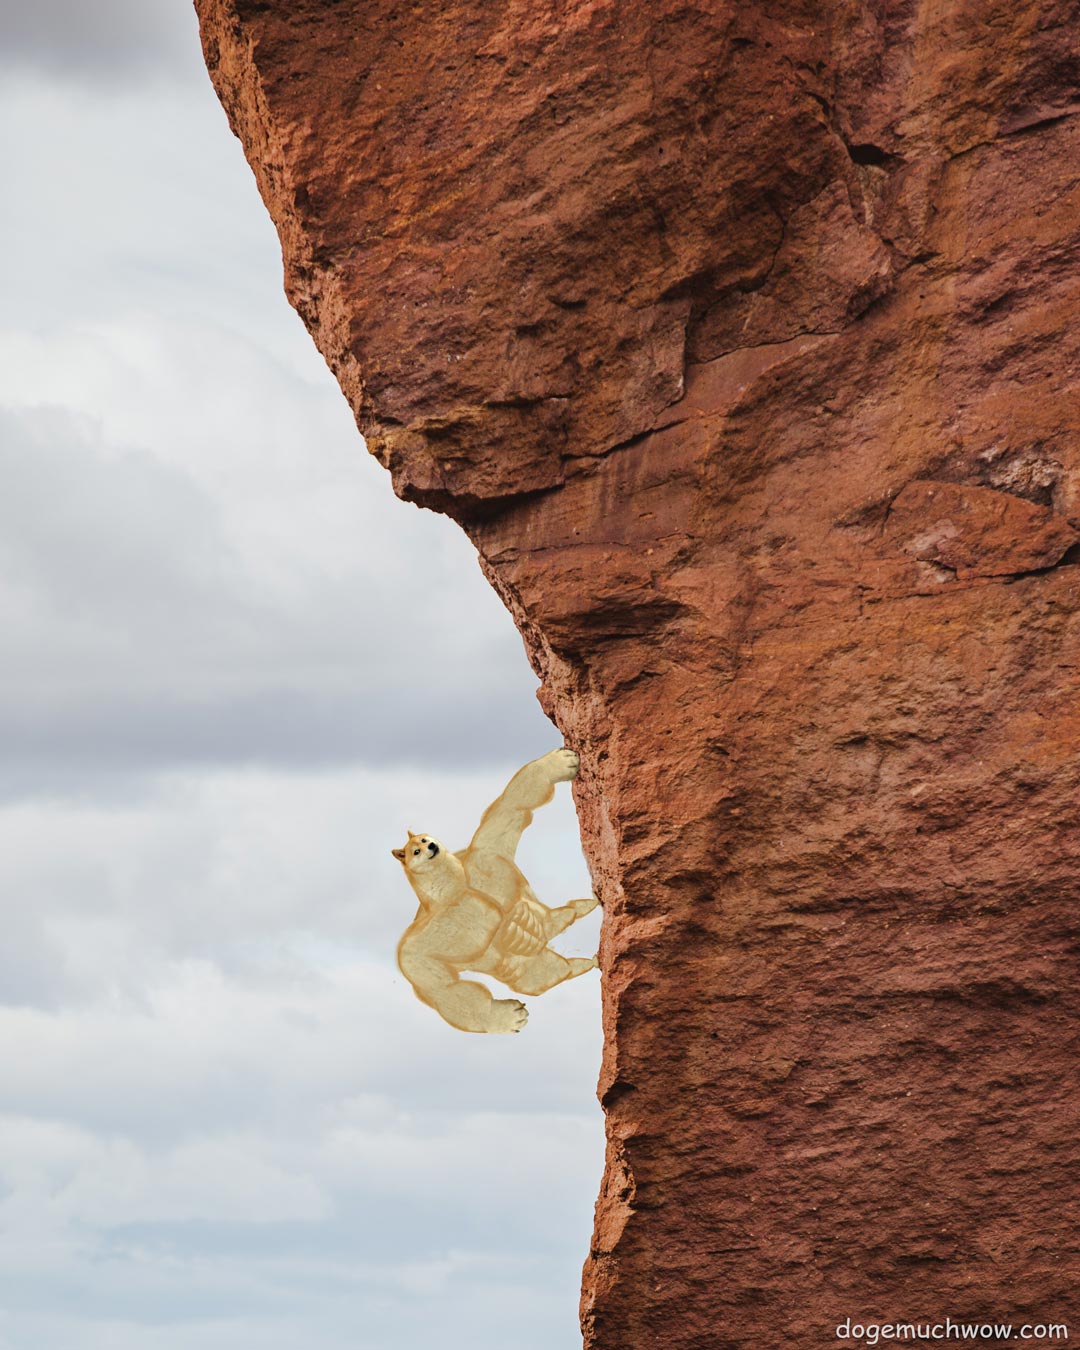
[(547, 969), (558, 920), (463, 1003)]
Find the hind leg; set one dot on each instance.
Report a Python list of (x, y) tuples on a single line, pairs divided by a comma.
[(547, 969), (558, 920)]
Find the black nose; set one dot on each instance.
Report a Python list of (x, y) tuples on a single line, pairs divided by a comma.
[(434, 849)]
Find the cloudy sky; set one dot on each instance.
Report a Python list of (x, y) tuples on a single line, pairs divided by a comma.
[(225, 1121)]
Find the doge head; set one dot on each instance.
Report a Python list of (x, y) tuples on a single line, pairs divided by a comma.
[(419, 852)]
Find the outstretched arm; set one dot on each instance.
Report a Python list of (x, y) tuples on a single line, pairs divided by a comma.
[(533, 786), (463, 1003)]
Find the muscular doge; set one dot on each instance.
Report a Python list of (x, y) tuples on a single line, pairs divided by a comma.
[(478, 913)]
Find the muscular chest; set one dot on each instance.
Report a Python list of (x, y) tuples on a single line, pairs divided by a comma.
[(461, 929)]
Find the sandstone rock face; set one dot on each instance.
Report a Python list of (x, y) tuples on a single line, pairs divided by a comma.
[(742, 338)]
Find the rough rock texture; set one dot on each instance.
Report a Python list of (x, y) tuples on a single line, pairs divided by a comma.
[(742, 338)]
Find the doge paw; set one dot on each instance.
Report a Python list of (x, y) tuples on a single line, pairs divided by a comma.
[(564, 765), (583, 907), (508, 1014)]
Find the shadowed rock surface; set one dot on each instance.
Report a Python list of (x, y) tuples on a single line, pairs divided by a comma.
[(742, 339)]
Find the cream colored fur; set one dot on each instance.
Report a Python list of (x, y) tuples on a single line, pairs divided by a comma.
[(477, 912)]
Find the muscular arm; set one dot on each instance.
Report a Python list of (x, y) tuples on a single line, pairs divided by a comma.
[(503, 822)]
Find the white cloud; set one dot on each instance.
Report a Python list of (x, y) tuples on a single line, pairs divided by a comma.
[(314, 1136), (230, 1098), (246, 867), (143, 625)]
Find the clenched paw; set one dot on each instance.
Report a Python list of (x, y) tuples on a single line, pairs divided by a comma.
[(564, 765), (508, 1014)]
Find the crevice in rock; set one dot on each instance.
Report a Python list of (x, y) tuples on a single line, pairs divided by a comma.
[(1023, 129), (864, 153), (872, 155), (1039, 123), (1070, 558)]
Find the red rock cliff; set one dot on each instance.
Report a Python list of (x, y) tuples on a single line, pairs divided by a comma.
[(742, 339)]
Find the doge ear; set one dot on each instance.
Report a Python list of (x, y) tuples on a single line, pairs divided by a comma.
[(399, 854)]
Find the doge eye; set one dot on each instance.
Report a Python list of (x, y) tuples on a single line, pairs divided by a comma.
[(415, 852)]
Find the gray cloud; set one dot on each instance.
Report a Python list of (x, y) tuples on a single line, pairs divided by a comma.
[(209, 1158), (138, 638), (33, 970), (100, 41), (46, 746), (471, 1296)]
